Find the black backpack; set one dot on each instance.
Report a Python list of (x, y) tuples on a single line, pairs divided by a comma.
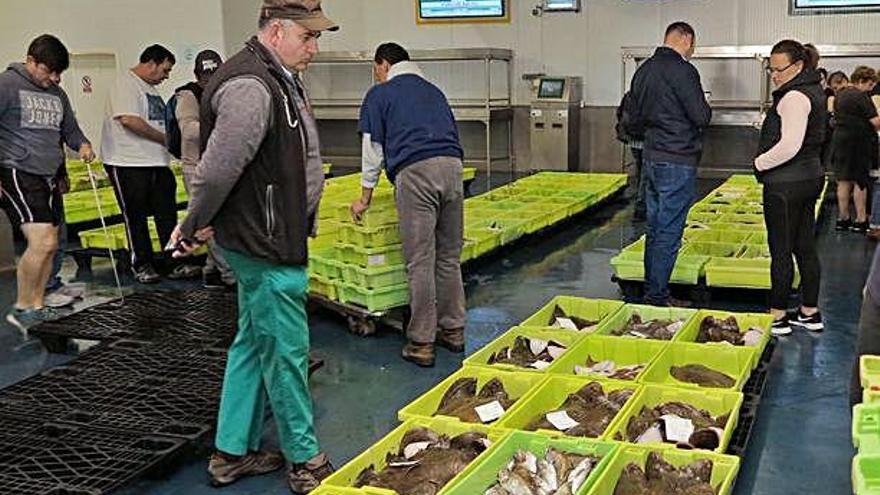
[(630, 126), (173, 137)]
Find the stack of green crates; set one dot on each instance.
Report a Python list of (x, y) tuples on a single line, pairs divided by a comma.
[(866, 430), (725, 242), (80, 205), (538, 392), (362, 263)]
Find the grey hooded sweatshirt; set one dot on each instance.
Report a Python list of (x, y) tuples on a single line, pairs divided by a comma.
[(34, 122)]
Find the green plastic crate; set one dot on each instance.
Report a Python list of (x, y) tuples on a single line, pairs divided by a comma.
[(356, 235), (509, 229), (375, 455), (114, 238), (322, 286), (866, 474), (485, 240), (619, 319), (375, 300), (736, 227), (481, 357), (741, 273), (373, 277), (587, 309), (869, 371), (716, 402), (870, 396), (748, 219), (714, 249), (722, 236), (757, 238), (624, 352), (755, 251), (380, 214), (371, 257), (866, 428), (324, 264), (695, 217), (735, 362), (468, 173), (485, 474), (724, 467), (517, 384), (468, 250), (745, 320), (550, 395), (630, 265)]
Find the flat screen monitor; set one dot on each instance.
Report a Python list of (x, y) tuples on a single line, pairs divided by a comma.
[(834, 6), (461, 10), (551, 88), (562, 5)]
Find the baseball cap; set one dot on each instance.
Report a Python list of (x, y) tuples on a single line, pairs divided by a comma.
[(207, 62), (307, 13)]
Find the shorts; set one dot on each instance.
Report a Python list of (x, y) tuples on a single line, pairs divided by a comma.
[(29, 198)]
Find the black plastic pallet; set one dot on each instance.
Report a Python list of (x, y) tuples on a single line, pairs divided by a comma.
[(67, 459), (202, 318)]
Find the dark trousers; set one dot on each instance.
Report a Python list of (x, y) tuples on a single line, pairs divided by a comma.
[(790, 216), (868, 341), (669, 192), (143, 192)]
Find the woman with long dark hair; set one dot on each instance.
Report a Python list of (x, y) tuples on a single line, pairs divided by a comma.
[(789, 165)]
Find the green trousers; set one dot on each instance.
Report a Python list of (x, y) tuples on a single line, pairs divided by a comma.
[(269, 359)]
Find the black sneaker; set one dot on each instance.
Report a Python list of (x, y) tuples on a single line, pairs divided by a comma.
[(781, 327), (859, 227), (213, 280), (146, 274), (843, 224), (812, 323)]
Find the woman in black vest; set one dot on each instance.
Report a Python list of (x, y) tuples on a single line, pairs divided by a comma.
[(789, 165)]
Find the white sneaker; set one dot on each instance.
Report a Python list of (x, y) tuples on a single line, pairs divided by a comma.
[(812, 323), (58, 300), (781, 327)]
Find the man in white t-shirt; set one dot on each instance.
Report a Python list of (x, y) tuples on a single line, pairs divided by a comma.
[(136, 159)]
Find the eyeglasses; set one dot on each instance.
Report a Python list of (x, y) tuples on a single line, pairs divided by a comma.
[(771, 70)]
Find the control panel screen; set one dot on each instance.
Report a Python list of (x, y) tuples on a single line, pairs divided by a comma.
[(551, 88)]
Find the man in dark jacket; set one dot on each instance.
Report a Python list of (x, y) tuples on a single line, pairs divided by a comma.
[(671, 103), (257, 188)]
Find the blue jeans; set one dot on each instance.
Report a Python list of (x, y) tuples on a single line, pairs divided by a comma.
[(669, 192)]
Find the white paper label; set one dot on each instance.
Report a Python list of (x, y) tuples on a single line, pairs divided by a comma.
[(403, 464), (540, 365), (638, 334), (561, 420), (376, 259), (489, 412), (414, 448), (537, 346), (678, 429), (566, 323), (555, 352), (536, 113)]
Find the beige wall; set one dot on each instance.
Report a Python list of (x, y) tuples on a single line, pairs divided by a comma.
[(122, 27)]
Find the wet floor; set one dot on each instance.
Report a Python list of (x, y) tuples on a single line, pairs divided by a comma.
[(801, 442)]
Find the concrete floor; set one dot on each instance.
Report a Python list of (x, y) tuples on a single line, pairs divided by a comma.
[(801, 442)]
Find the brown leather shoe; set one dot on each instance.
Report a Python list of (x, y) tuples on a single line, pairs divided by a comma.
[(420, 354), (225, 469), (303, 478), (874, 234), (452, 339)]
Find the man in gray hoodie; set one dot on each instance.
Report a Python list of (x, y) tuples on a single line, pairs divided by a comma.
[(35, 120)]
